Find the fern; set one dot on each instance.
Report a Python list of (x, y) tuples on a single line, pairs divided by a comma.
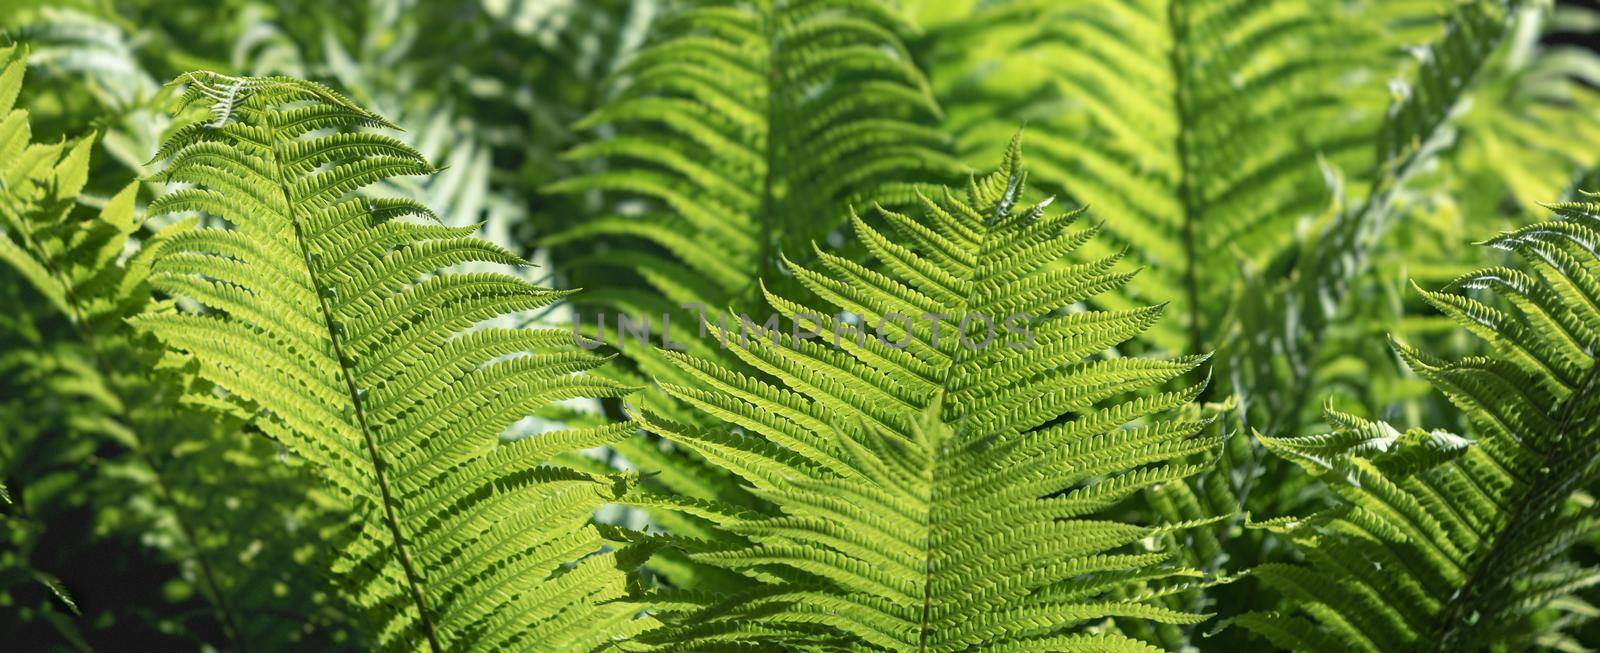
[(1511, 149), (1202, 122), (936, 496), (1447, 544), (89, 62), (1284, 309), (337, 317), (1214, 127)]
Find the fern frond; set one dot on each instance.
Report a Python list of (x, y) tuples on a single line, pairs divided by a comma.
[(931, 493), (1445, 544), (340, 318), (1206, 123), (743, 125), (1511, 151), (1217, 126)]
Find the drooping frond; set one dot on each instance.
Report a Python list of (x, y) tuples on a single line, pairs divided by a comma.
[(339, 317), (938, 456), (1441, 543), (91, 389)]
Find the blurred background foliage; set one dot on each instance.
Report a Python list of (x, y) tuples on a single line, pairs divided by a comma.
[(150, 541)]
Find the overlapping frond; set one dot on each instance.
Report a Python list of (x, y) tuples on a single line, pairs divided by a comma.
[(937, 458), (1206, 123), (1287, 299), (1441, 543), (1224, 129), (1511, 150), (735, 137), (340, 318)]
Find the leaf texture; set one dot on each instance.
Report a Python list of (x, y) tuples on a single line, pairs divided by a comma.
[(746, 127)]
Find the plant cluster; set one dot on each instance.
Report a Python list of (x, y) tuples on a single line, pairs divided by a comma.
[(1283, 334)]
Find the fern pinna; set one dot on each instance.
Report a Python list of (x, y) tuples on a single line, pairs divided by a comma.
[(1441, 543), (338, 317), (928, 494)]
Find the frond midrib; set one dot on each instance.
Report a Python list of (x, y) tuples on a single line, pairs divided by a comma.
[(379, 467), (1178, 62), (937, 457)]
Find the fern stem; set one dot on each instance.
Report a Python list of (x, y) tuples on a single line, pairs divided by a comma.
[(771, 227), (1178, 61), (391, 520)]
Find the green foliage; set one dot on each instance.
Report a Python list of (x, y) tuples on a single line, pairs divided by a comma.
[(935, 495), (1449, 544), (748, 126), (126, 404), (736, 136), (334, 317), (1312, 281), (263, 399)]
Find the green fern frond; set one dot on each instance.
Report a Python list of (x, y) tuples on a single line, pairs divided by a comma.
[(1511, 151), (1446, 544), (340, 318), (1216, 127), (744, 126), (930, 493), (1207, 123)]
